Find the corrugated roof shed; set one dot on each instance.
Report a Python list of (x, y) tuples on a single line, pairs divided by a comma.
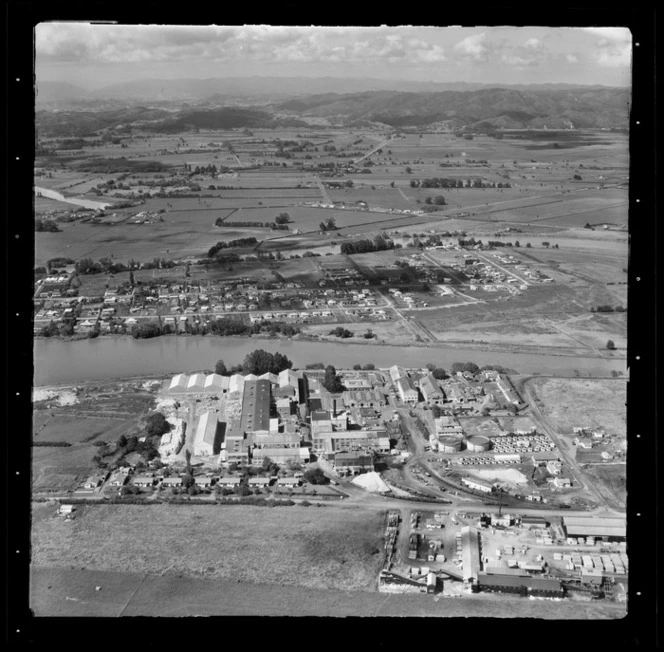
[(470, 552), (255, 406), (598, 526)]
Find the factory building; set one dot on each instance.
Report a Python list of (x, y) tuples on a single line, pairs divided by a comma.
[(281, 455), (236, 383), (196, 383), (605, 528), (362, 398), (208, 436), (397, 372), (407, 390), (178, 383), (255, 407), (431, 391), (519, 584), (354, 462), (470, 553), (216, 383), (233, 449), (478, 485)]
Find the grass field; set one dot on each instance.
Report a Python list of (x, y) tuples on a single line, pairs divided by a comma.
[(59, 469), (611, 480), (327, 547), (571, 402), (71, 593), (79, 429), (46, 205)]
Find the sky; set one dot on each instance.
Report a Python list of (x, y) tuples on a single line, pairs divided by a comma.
[(93, 56)]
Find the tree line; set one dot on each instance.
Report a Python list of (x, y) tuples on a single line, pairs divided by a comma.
[(448, 182), (240, 242), (379, 243), (266, 225)]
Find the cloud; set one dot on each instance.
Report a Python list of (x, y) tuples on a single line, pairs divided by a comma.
[(572, 58), (533, 44), (130, 44), (472, 47)]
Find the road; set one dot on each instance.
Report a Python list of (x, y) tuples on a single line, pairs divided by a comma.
[(560, 443), (415, 328), (372, 151), (509, 272), (323, 190)]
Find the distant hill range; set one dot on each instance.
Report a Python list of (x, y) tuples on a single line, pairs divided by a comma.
[(490, 108), (265, 102), (199, 89)]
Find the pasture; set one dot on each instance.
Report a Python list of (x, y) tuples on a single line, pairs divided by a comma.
[(328, 547)]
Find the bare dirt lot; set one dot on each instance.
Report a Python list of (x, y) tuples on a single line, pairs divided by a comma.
[(326, 547)]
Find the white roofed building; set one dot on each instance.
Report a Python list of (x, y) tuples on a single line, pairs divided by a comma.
[(196, 383), (178, 383), (216, 383)]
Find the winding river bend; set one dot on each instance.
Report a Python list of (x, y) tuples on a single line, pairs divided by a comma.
[(59, 362)]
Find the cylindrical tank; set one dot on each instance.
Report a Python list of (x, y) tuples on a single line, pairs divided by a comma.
[(478, 443), (450, 444)]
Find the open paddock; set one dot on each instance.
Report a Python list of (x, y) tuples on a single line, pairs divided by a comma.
[(142, 242), (611, 481), (78, 429), (597, 265), (58, 469), (380, 197), (286, 546), (47, 205), (580, 402)]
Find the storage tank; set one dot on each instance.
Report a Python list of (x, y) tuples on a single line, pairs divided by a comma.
[(478, 443), (450, 444)]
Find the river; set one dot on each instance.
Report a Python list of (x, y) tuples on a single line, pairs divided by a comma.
[(79, 201), (59, 362)]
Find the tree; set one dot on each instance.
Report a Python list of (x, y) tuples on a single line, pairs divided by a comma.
[(357, 367), (156, 424), (282, 218), (331, 381), (409, 170), (439, 373), (220, 368), (316, 476), (369, 335), (610, 345), (260, 362), (188, 480), (546, 244), (528, 245)]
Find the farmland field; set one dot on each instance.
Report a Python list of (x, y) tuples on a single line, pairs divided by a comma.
[(286, 545)]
